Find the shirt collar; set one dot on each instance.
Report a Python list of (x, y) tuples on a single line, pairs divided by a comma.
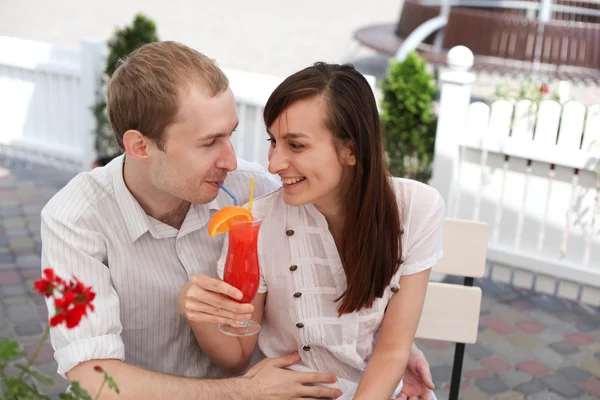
[(136, 219)]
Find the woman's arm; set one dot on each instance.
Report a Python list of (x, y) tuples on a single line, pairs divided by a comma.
[(205, 302), (394, 343)]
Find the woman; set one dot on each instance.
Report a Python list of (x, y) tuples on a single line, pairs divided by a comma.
[(345, 249)]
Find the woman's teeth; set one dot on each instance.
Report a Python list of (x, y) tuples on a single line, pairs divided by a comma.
[(291, 181)]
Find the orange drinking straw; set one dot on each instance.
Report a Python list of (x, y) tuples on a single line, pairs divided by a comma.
[(251, 194)]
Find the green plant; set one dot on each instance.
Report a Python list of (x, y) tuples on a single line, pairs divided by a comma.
[(21, 381), (406, 114), (124, 41)]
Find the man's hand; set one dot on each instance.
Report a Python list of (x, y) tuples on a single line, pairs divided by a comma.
[(417, 380), (204, 299), (271, 381)]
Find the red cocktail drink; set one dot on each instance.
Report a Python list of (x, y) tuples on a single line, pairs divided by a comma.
[(242, 269)]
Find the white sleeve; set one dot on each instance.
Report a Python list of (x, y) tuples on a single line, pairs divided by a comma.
[(424, 244), (74, 249)]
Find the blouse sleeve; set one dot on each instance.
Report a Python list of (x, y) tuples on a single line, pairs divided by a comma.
[(424, 240)]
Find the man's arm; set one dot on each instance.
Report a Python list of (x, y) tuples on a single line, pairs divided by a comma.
[(267, 380)]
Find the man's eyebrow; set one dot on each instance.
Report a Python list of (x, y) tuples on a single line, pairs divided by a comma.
[(217, 135)]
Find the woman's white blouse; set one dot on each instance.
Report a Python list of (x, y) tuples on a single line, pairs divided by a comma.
[(302, 272)]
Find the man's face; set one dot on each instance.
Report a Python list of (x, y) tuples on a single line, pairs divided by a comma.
[(198, 150)]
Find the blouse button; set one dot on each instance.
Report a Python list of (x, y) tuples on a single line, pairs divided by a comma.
[(306, 348), (293, 268), (289, 232), (300, 325), (395, 289), (297, 294)]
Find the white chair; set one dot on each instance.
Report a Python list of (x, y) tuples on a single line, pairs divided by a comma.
[(451, 311)]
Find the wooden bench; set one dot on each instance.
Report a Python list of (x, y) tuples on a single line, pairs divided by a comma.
[(502, 42), (451, 311)]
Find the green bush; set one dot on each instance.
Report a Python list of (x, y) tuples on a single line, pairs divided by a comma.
[(406, 114), (123, 42)]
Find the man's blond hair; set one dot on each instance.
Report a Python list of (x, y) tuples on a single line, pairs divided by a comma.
[(145, 90)]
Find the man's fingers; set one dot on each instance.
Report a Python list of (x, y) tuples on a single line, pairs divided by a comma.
[(198, 308), (285, 361), (401, 396), (316, 377), (427, 396), (221, 302), (319, 392), (217, 286), (211, 319)]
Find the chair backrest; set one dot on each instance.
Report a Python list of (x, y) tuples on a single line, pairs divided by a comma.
[(451, 311)]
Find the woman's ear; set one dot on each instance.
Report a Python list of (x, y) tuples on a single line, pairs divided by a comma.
[(347, 154)]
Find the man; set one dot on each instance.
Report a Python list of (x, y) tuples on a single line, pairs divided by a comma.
[(135, 230)]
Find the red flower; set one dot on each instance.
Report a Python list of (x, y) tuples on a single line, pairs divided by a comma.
[(48, 283), (544, 88), (98, 368), (74, 303)]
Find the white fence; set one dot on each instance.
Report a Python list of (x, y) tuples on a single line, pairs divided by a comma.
[(47, 91), (528, 173), (532, 175)]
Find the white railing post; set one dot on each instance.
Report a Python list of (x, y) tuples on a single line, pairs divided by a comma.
[(92, 68), (455, 97)]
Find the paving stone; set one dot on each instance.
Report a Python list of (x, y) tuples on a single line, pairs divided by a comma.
[(560, 384), (533, 368), (29, 329), (546, 395), (10, 211), (592, 386), (12, 222), (4, 322), (564, 347), (548, 356), (513, 377), (503, 348), (13, 290), (524, 340), (46, 354), (470, 393), (22, 243), (530, 326), (548, 320), (476, 373), (509, 396), (587, 326), (498, 325), (22, 313), (10, 277), (18, 231), (495, 364), (28, 261), (529, 388), (592, 365), (578, 339), (491, 384), (477, 351), (575, 374), (60, 385)]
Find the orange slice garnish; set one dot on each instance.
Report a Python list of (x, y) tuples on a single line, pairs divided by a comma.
[(221, 221)]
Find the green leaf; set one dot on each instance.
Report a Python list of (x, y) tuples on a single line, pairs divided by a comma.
[(36, 374), (79, 392), (10, 350)]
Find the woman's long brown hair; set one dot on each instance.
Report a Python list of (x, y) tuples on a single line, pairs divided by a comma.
[(371, 245)]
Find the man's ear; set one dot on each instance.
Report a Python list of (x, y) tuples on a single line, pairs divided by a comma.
[(136, 145)]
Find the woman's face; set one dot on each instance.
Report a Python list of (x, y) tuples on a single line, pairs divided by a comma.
[(313, 166)]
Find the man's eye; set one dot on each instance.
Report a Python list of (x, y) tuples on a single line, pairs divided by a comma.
[(211, 143), (296, 146)]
